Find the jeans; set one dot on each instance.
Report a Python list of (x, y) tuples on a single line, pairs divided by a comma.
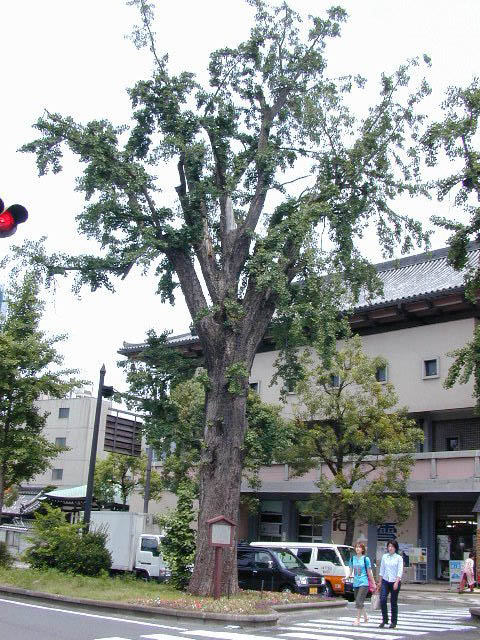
[(385, 589)]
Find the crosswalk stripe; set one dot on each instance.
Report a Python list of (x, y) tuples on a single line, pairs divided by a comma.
[(421, 620), (317, 636), (223, 635), (447, 614), (160, 636), (411, 624), (356, 631), (347, 622)]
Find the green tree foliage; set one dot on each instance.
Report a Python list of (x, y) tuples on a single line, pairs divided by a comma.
[(60, 545), (349, 424), (6, 558), (28, 368), (119, 474), (456, 137), (269, 158), (178, 545)]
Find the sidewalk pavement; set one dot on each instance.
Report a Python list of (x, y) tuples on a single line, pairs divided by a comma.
[(435, 587)]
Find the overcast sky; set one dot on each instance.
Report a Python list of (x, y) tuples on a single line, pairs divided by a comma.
[(72, 57)]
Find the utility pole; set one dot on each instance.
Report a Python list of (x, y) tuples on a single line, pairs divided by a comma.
[(148, 474), (103, 392)]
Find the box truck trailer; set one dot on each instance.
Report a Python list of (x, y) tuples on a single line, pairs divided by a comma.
[(132, 546)]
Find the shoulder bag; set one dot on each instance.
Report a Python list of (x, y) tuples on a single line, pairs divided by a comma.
[(371, 583)]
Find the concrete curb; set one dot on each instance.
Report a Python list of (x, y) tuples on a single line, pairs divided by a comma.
[(475, 613), (207, 617)]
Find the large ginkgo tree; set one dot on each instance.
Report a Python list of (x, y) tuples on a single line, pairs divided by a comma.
[(275, 181)]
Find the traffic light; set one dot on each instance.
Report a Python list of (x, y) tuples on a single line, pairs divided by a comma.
[(10, 218)]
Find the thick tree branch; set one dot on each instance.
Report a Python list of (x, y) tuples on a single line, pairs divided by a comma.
[(203, 247)]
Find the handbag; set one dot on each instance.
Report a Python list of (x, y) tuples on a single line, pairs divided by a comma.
[(372, 587), (375, 602)]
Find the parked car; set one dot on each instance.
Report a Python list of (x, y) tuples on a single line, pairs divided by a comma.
[(276, 570), (330, 560)]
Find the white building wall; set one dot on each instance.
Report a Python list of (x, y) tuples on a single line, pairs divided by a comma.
[(405, 350), (77, 428)]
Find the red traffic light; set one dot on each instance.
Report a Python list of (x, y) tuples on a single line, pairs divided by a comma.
[(10, 218), (7, 222)]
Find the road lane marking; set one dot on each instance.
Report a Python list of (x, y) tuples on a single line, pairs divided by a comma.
[(91, 615)]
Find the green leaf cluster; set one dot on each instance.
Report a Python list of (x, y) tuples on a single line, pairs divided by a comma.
[(178, 545), (119, 474), (57, 544), (456, 138), (29, 367), (6, 558)]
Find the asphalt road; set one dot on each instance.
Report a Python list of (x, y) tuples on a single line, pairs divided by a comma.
[(425, 616)]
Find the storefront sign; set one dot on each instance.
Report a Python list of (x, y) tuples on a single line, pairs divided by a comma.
[(338, 524), (456, 568), (386, 531), (443, 547)]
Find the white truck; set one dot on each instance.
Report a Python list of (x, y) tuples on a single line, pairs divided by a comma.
[(131, 544)]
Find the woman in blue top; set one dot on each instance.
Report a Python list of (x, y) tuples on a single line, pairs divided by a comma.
[(360, 569)]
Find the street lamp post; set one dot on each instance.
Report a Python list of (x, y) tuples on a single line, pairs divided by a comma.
[(148, 475), (103, 392)]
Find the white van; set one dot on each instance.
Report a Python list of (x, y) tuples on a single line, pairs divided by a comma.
[(331, 560)]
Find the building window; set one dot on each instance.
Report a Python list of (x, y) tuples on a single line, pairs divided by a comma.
[(431, 368), (57, 474), (309, 528), (254, 386), (63, 412), (453, 444), (381, 374), (271, 519), (61, 442)]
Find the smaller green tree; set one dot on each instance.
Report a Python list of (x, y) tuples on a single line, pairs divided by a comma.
[(119, 474), (347, 422), (178, 545), (28, 368), (169, 388), (57, 544)]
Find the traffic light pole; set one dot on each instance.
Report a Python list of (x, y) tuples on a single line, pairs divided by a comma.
[(93, 450)]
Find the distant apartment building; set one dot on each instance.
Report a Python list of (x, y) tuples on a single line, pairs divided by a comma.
[(422, 316), (69, 424)]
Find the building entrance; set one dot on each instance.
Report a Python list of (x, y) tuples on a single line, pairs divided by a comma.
[(456, 528)]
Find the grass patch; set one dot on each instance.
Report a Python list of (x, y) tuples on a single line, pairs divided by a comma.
[(126, 588)]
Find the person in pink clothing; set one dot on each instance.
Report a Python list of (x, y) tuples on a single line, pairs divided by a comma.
[(468, 574)]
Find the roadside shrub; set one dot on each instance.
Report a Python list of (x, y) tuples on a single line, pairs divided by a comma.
[(6, 558), (178, 545), (59, 545)]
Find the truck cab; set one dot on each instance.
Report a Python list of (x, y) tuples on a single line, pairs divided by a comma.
[(149, 562)]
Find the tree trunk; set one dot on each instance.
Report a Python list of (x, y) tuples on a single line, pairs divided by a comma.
[(220, 477), (350, 530)]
